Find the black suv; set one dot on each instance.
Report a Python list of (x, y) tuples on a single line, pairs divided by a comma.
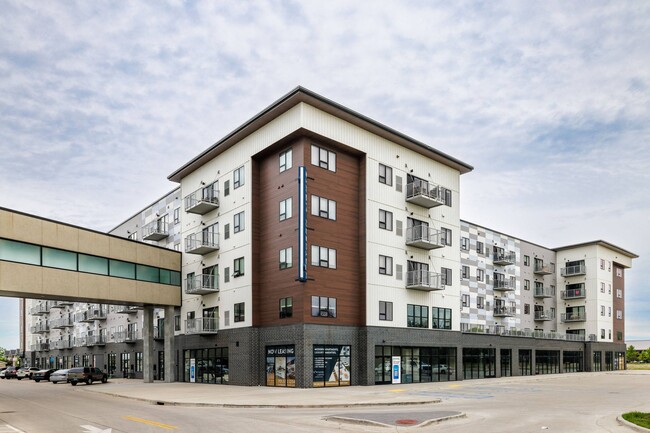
[(88, 375)]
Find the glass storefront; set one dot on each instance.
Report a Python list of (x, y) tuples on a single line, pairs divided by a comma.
[(609, 361), (210, 365), (506, 362), (525, 362), (332, 366), (572, 361), (479, 363), (281, 366), (418, 364), (547, 361), (598, 362)]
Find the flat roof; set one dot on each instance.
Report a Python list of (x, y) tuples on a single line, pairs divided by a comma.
[(301, 94), (601, 243)]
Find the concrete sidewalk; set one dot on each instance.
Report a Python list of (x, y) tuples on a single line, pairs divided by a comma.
[(194, 394)]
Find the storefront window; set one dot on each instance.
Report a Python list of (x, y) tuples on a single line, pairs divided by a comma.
[(332, 366), (418, 364), (281, 366), (572, 361), (547, 361), (479, 363), (210, 365)]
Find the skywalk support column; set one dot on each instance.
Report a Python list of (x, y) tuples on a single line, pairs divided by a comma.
[(169, 344), (147, 344)]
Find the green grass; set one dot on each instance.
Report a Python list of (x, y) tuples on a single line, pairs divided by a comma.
[(639, 418), (631, 366)]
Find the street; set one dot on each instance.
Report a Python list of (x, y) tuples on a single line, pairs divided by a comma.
[(587, 402)]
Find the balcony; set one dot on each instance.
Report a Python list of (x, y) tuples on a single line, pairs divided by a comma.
[(40, 309), (83, 317), (579, 316), (65, 303), (544, 292), (504, 311), (573, 271), (155, 231), (40, 347), (158, 333), (202, 201), (56, 304), (63, 322), (424, 280), (424, 237), (202, 326), (544, 316), (98, 313), (202, 284), (577, 293), (471, 328), (62, 344), (79, 341), (129, 337), (503, 285), (128, 310), (542, 269), (40, 328), (422, 193), (504, 259), (202, 243), (96, 340)]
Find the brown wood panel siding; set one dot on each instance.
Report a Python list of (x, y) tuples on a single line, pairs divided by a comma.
[(618, 303), (362, 240)]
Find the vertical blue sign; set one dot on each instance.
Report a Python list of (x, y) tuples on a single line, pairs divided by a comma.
[(302, 223)]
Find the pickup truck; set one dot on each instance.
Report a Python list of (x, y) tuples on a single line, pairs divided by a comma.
[(87, 375)]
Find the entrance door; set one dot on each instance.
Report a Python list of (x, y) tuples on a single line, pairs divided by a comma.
[(161, 365)]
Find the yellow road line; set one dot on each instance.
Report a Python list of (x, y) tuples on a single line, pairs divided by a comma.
[(153, 423), (397, 390)]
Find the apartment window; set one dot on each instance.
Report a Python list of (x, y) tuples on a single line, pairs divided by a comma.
[(385, 175), (286, 209), (465, 272), (138, 361), (602, 264), (464, 244), (177, 246), (602, 287), (479, 247), (226, 231), (602, 334), (398, 272), (447, 195), (609, 289), (526, 308), (286, 258), (609, 311), (323, 207), (526, 260), (386, 311), (417, 316), (609, 332), (619, 314), (445, 236), (398, 183), (177, 215), (619, 293), (619, 272), (527, 284), (398, 227), (480, 275), (619, 336), (286, 159), (323, 257), (602, 310), (177, 322), (133, 236), (226, 275), (480, 302), (464, 300), (226, 188), (445, 277), (441, 318), (385, 265), (322, 306), (240, 313), (323, 158), (609, 266), (238, 267), (238, 222), (385, 220), (286, 308), (190, 315), (238, 178)]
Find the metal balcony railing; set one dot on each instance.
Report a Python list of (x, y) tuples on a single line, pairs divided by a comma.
[(571, 271), (96, 340), (40, 309), (502, 311), (155, 231), (202, 201), (40, 328), (127, 309), (203, 284), (542, 269), (503, 284), (579, 316), (425, 194), (506, 258), (202, 243), (577, 293), (544, 292), (544, 315), (202, 325), (40, 347), (98, 313), (424, 280), (61, 344), (424, 237), (158, 332), (79, 341), (63, 322)]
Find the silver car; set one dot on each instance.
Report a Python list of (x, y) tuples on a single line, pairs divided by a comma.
[(59, 376)]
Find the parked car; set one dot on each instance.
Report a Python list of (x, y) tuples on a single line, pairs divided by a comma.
[(88, 375), (10, 372), (2, 373), (440, 368), (59, 376), (25, 372), (42, 375)]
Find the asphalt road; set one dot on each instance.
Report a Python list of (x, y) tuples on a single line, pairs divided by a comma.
[(556, 403)]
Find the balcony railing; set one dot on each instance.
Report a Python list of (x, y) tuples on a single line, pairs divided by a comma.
[(127, 336), (544, 315), (65, 303), (425, 194), (424, 237), (202, 326), (63, 322), (504, 311), (544, 292), (424, 280), (40, 309), (56, 304), (96, 340), (40, 328), (470, 328), (580, 316), (202, 243), (503, 284), (574, 293), (80, 341), (158, 332), (572, 271), (40, 347), (542, 270), (155, 231), (203, 284), (202, 201), (504, 259), (83, 317), (61, 344), (98, 313), (127, 310)]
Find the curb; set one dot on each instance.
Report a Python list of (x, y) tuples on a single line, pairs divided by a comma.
[(381, 424), (630, 425)]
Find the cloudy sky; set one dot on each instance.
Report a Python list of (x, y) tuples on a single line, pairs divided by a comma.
[(550, 101)]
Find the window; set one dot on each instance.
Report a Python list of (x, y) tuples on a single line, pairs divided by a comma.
[(602, 334), (464, 300), (417, 316), (602, 287), (441, 318), (385, 265), (386, 311), (385, 175), (609, 266), (619, 314), (238, 178), (240, 313), (286, 209), (286, 308), (323, 207), (177, 247), (480, 302), (238, 222), (177, 322), (385, 220), (609, 332), (609, 289), (133, 236), (190, 315), (177, 215), (398, 227), (464, 244), (445, 236), (323, 158), (445, 277), (619, 336), (323, 257), (226, 188), (238, 267), (447, 195), (619, 293), (539, 263), (609, 311), (138, 361), (226, 275), (465, 272), (619, 272), (226, 231), (602, 264), (398, 183), (602, 310), (479, 247), (526, 260), (480, 275), (527, 284), (398, 272), (286, 258), (286, 159), (526, 308), (322, 306)]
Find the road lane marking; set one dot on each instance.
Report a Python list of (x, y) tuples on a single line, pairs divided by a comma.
[(153, 423), (9, 429), (397, 390), (93, 429)]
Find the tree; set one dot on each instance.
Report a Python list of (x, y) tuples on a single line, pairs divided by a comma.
[(645, 355), (2, 354), (631, 355)]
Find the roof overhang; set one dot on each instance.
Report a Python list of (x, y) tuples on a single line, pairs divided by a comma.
[(602, 244)]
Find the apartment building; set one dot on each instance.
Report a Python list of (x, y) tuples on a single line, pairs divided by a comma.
[(321, 248)]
